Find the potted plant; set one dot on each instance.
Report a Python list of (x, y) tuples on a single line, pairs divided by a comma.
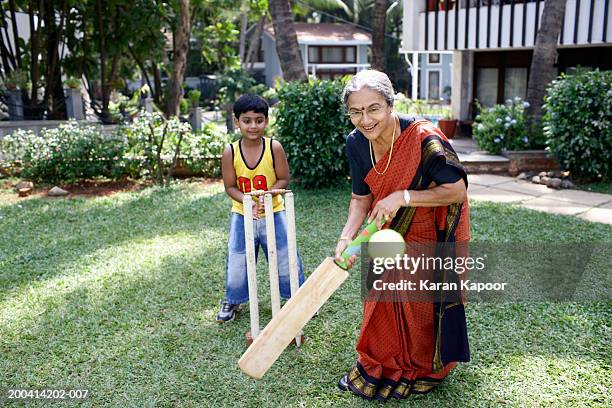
[(194, 98), (195, 117), (73, 83), (74, 100), (447, 124), (16, 80)]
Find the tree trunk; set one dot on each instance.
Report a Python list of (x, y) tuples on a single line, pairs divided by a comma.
[(34, 50), (378, 34), (142, 68), (8, 57), (243, 30), (542, 71), (286, 41), (181, 47), (54, 91), (105, 115), (254, 45), (15, 32), (157, 82)]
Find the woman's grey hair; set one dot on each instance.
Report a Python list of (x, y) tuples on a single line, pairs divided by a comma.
[(375, 80)]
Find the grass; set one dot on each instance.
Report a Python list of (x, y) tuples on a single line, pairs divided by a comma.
[(605, 188), (118, 295)]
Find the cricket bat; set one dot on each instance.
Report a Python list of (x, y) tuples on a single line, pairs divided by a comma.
[(298, 310)]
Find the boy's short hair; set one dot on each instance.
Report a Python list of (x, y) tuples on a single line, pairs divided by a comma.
[(247, 103)]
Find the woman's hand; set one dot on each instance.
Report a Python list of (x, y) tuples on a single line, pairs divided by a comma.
[(342, 244), (386, 208)]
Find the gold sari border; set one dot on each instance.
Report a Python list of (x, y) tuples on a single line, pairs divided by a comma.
[(383, 389)]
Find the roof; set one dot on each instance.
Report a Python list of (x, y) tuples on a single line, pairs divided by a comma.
[(328, 33)]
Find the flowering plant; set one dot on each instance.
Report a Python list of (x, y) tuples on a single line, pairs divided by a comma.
[(504, 127)]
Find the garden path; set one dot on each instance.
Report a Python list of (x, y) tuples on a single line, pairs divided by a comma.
[(583, 204)]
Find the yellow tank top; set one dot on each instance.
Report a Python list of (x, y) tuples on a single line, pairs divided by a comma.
[(261, 177)]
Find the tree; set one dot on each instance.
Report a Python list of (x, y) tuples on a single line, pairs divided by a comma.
[(378, 34), (181, 47), (542, 71), (286, 41), (54, 16)]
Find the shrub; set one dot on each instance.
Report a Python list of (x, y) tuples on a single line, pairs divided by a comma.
[(154, 145), (504, 127), (69, 153), (157, 144), (312, 126), (202, 150), (578, 122)]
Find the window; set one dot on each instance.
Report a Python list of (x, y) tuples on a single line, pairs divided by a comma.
[(350, 54), (433, 85), (486, 86), (313, 54), (515, 83), (433, 58), (332, 55)]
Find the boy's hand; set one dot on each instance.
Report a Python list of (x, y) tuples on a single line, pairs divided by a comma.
[(258, 203), (255, 209)]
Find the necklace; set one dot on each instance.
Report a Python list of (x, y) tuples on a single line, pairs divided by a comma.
[(390, 153)]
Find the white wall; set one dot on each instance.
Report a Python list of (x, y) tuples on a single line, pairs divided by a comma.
[(414, 26)]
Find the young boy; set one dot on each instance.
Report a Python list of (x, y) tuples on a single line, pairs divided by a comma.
[(252, 163)]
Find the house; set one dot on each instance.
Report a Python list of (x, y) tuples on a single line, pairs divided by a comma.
[(328, 50), (435, 76), (491, 43)]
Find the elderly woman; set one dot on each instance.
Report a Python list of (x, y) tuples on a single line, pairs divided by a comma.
[(407, 177)]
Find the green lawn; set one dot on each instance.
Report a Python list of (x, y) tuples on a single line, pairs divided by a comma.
[(118, 295)]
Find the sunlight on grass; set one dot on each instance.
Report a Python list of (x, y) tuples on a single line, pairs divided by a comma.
[(102, 271)]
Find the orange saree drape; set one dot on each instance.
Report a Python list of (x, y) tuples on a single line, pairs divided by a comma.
[(410, 347)]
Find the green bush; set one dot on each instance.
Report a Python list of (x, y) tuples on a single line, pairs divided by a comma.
[(578, 122), (69, 153), (504, 127), (312, 126), (150, 133), (202, 150)]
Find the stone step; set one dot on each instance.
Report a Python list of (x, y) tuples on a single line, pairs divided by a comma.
[(481, 163)]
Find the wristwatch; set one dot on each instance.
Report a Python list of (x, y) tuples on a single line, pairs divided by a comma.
[(406, 198)]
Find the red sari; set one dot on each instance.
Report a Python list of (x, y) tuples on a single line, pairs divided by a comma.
[(410, 347)]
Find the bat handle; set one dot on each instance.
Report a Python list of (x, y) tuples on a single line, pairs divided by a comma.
[(355, 246)]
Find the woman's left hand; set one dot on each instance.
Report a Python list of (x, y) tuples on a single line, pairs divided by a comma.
[(386, 208)]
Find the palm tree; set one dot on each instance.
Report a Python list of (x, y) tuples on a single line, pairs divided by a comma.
[(181, 47), (378, 34), (286, 41), (542, 71)]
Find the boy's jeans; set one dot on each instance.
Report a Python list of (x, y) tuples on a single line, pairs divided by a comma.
[(236, 282)]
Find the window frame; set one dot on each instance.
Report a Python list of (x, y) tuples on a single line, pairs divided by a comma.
[(319, 53), (429, 71)]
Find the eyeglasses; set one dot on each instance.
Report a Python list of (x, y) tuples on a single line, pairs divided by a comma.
[(374, 111)]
